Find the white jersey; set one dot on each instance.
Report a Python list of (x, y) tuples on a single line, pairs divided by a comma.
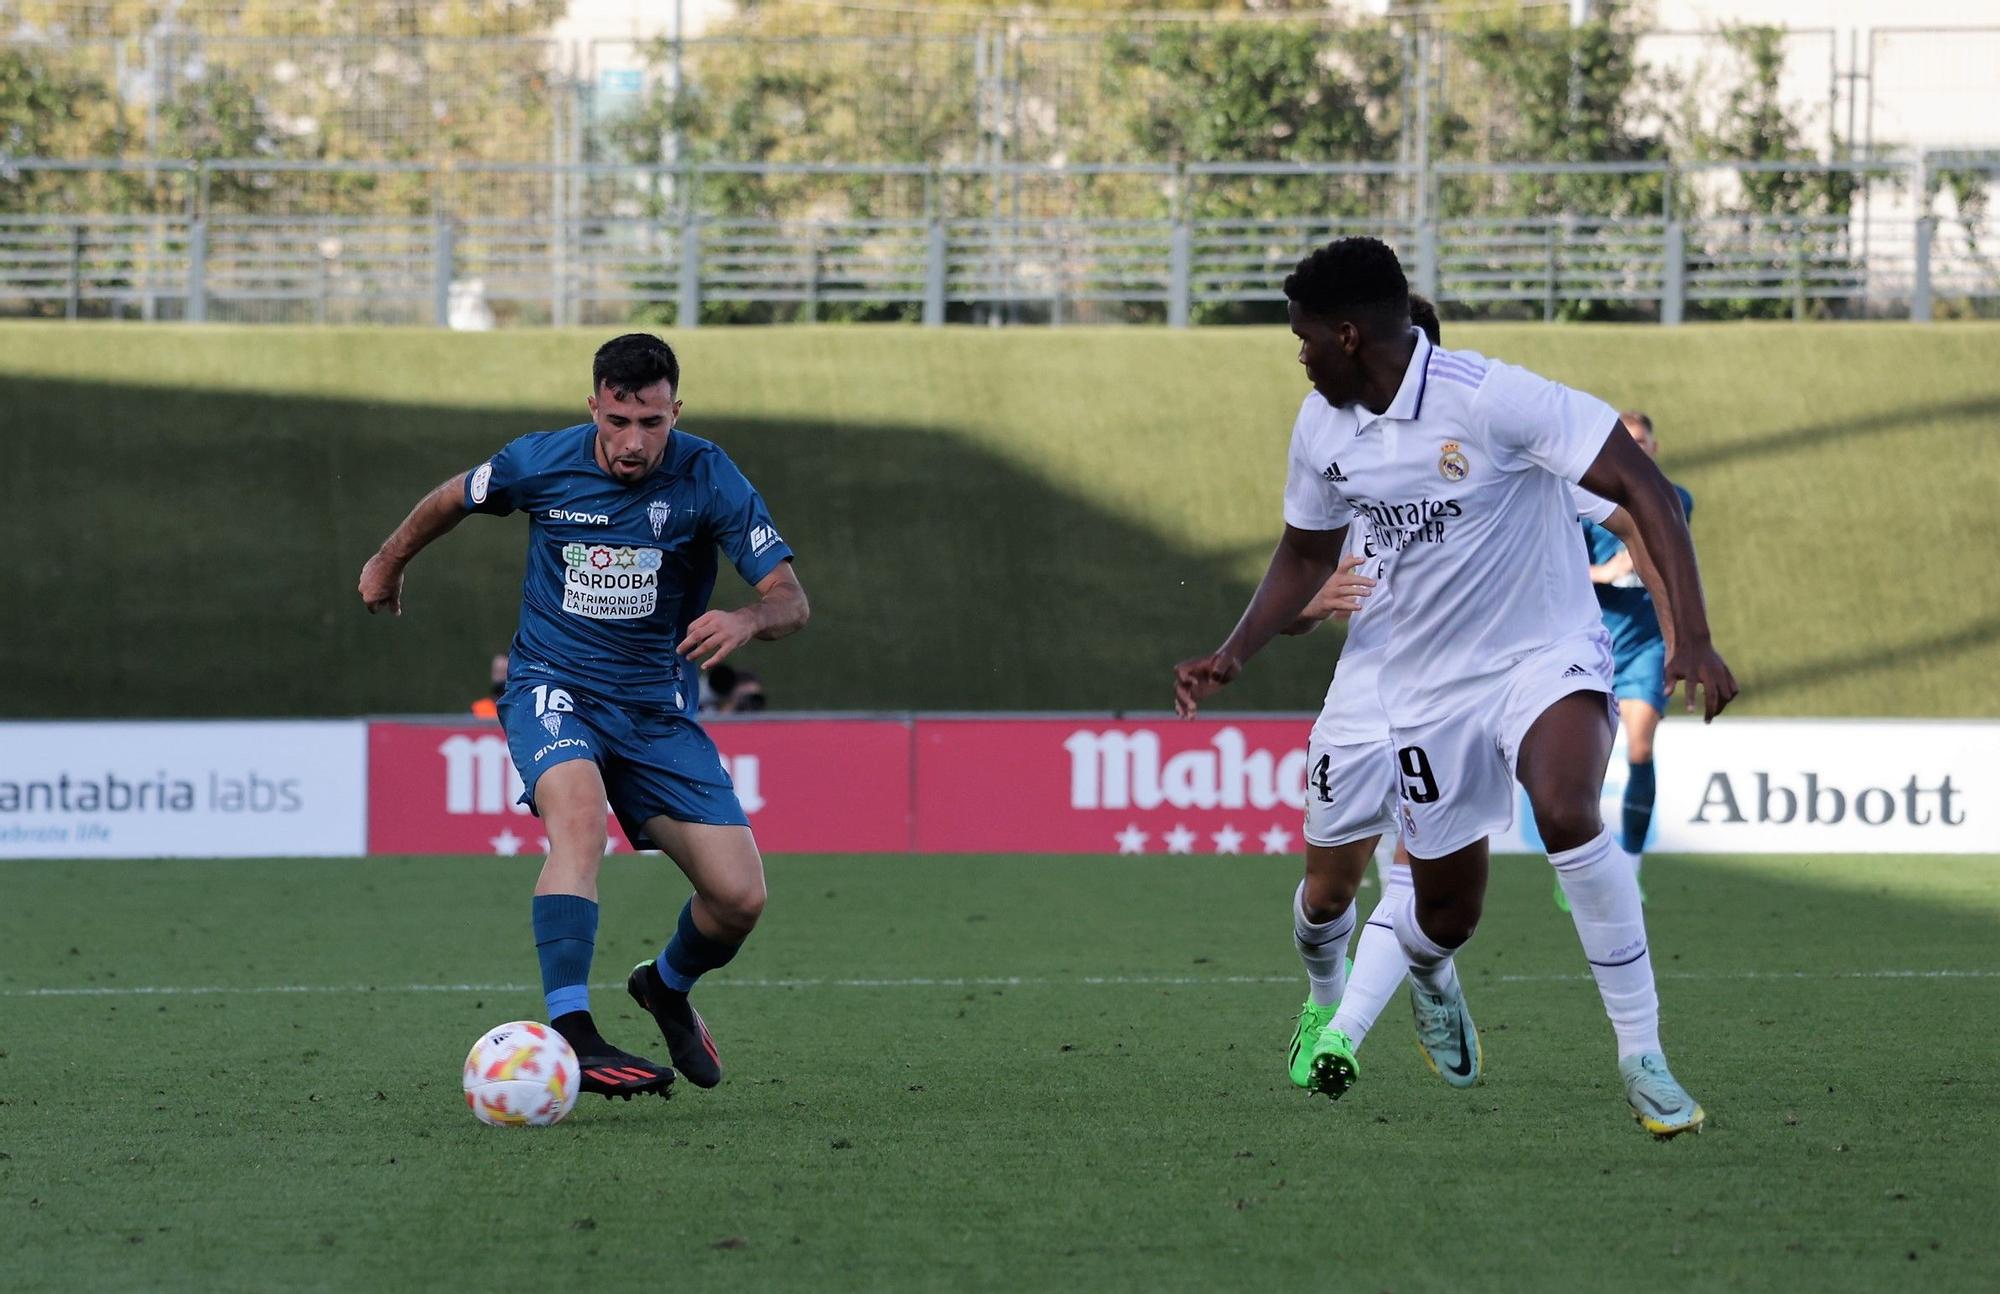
[(1353, 713), (1465, 485)]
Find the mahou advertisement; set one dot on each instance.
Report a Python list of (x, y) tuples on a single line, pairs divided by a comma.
[(1088, 787)]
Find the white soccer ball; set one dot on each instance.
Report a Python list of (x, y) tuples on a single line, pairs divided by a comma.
[(521, 1074)]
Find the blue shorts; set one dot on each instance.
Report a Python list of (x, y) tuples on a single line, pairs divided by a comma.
[(653, 762), (1642, 674)]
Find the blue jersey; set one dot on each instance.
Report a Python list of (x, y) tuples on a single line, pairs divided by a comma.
[(617, 572), (1626, 606)]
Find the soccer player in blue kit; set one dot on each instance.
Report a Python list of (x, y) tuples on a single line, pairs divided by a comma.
[(625, 516), (1638, 650)]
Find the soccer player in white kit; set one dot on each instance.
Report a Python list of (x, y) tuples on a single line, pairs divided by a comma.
[(1497, 666), (1351, 800)]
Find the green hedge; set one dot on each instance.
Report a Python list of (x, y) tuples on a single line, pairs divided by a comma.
[(1035, 519)]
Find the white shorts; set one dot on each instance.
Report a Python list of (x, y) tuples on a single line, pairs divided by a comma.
[(1456, 774), (1350, 792)]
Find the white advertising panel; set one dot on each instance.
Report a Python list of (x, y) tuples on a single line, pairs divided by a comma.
[(1814, 786), (195, 789)]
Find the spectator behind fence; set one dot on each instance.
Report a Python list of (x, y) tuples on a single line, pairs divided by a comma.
[(487, 707), (728, 690)]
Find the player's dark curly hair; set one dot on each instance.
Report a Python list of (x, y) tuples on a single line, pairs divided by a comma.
[(1355, 278), (634, 362), (1425, 316)]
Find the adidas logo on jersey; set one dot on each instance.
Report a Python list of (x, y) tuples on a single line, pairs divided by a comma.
[(1333, 473), (1575, 671)]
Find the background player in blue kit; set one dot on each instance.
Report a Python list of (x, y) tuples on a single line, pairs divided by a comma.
[(626, 514), (1639, 650)]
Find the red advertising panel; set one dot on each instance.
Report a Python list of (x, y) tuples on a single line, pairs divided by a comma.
[(809, 786), (1033, 786)]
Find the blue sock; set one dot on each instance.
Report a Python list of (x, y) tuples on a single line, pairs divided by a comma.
[(565, 937), (690, 954), (1638, 806)]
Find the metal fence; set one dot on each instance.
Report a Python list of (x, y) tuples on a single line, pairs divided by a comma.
[(1017, 88), (402, 243)]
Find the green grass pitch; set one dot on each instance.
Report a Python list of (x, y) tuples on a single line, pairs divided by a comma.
[(986, 1074)]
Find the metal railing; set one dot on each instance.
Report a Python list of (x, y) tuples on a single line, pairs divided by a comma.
[(666, 245)]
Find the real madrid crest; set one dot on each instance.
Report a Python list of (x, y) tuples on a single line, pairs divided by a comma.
[(1452, 464)]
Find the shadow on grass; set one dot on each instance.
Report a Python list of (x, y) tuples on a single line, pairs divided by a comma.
[(1914, 655), (1819, 434), (194, 553)]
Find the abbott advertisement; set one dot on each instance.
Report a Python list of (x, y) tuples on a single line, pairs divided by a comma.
[(161, 790)]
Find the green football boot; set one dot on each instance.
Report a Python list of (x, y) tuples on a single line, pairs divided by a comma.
[(1332, 1068), (1312, 1021)]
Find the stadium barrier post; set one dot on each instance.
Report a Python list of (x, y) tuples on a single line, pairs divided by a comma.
[(1798, 272), (1920, 286), (1673, 273), (197, 274), (687, 310), (443, 254), (1180, 253), (934, 276), (1427, 259), (810, 310), (73, 292)]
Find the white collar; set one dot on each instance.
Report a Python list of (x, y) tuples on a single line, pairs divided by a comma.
[(1409, 401)]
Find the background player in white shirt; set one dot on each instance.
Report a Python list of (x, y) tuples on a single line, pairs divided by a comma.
[(1498, 666), (1351, 800)]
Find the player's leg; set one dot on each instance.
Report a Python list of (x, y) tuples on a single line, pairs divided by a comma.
[(1350, 804), (670, 790), (1561, 763), (727, 872), (1433, 920), (1379, 965), (570, 799), (1640, 717), (1456, 791), (1323, 920)]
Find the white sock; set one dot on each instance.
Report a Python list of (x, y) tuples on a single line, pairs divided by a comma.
[(1323, 948), (1430, 963), (1379, 964), (1603, 891)]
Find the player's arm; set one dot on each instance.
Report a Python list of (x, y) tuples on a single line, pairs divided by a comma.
[(1623, 473), (780, 610), (1299, 569), (435, 514), (1340, 597), (1620, 564), (1635, 558)]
